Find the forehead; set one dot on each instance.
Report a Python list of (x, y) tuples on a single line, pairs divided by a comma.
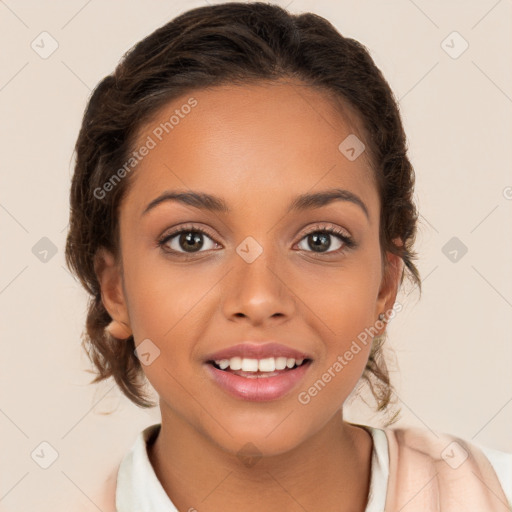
[(254, 142)]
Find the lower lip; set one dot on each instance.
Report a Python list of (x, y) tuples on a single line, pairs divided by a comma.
[(259, 389)]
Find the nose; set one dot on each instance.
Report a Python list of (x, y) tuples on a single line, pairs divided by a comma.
[(258, 292)]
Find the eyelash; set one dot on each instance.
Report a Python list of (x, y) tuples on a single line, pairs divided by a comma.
[(348, 241)]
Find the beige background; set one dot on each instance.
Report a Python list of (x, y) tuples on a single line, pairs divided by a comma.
[(453, 347)]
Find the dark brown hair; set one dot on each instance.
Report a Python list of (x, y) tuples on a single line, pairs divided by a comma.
[(231, 43)]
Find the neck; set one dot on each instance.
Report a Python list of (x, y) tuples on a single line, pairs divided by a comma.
[(329, 471)]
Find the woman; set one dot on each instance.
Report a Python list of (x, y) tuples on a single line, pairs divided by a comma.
[(242, 216)]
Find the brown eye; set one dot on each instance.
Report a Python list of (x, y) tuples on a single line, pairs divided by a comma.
[(320, 240), (187, 240)]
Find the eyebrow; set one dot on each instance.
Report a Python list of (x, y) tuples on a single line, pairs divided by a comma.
[(303, 202)]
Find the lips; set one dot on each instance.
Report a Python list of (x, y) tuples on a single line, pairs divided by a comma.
[(258, 372), (254, 388)]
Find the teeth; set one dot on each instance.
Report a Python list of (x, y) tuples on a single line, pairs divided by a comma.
[(235, 363), (268, 364), (249, 365), (280, 363), (223, 363)]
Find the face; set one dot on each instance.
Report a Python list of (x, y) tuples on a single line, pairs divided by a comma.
[(258, 270)]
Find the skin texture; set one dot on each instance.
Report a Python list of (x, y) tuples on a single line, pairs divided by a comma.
[(257, 147)]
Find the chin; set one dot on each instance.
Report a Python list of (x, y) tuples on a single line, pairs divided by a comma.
[(259, 438)]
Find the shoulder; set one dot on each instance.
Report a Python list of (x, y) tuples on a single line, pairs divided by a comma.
[(450, 462)]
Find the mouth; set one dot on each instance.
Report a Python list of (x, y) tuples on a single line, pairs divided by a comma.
[(258, 380)]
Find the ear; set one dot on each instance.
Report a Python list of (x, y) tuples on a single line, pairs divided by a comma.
[(390, 283), (109, 275)]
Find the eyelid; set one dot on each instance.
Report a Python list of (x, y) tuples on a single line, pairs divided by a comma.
[(172, 232), (325, 225)]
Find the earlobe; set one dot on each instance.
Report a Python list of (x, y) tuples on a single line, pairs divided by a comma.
[(119, 330), (110, 279)]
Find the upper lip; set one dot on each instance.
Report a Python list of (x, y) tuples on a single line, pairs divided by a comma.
[(252, 350)]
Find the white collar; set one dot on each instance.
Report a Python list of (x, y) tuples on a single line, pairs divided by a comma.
[(138, 487)]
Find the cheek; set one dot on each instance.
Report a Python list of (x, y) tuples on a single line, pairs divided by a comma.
[(341, 300), (335, 374), (163, 297), (170, 306), (340, 309)]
